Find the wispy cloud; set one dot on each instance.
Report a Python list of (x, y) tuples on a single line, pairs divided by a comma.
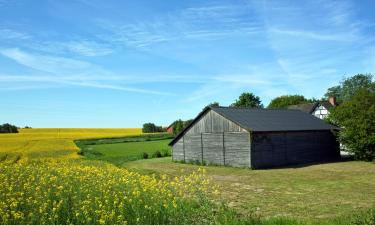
[(57, 70), (9, 34), (345, 37), (75, 47), (200, 23), (45, 63)]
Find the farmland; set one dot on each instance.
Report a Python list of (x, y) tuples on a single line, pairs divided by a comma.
[(52, 184), (49, 183), (53, 142)]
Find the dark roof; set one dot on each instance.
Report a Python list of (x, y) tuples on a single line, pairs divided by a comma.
[(264, 120), (309, 107), (327, 105), (306, 107)]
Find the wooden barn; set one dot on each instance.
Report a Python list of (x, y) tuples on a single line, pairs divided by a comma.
[(256, 138)]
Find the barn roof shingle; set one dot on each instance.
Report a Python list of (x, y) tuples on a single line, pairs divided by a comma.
[(265, 120), (260, 120)]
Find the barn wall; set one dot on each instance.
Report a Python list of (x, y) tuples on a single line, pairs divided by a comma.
[(214, 140), (193, 148), (213, 151), (237, 149), (178, 150), (274, 149)]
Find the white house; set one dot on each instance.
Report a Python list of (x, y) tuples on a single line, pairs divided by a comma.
[(319, 109)]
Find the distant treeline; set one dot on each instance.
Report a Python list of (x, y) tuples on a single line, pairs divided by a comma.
[(8, 128)]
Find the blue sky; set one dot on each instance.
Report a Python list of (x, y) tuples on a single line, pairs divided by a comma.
[(94, 63)]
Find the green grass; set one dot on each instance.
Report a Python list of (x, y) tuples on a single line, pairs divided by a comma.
[(325, 194), (129, 150)]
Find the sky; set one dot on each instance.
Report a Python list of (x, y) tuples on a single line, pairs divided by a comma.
[(94, 63)]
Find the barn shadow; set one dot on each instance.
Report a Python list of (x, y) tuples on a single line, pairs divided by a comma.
[(343, 158)]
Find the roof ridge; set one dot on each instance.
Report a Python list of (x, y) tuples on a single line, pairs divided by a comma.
[(249, 108)]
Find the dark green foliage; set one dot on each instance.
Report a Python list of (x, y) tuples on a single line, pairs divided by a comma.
[(8, 128), (157, 154), (282, 102), (248, 100), (356, 117), (145, 155), (349, 87), (213, 104), (179, 125), (151, 128)]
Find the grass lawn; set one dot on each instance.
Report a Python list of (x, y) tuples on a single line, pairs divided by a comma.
[(314, 193), (121, 152)]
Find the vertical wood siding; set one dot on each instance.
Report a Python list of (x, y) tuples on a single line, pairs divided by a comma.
[(178, 151), (237, 149), (221, 141), (274, 149), (213, 152)]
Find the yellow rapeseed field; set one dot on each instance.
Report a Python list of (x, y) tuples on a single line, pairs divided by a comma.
[(54, 142), (42, 181), (75, 191)]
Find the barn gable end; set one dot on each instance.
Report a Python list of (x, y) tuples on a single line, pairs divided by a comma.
[(213, 139)]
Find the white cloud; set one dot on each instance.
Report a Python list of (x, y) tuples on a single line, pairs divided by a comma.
[(200, 23), (45, 63), (345, 37), (10, 34)]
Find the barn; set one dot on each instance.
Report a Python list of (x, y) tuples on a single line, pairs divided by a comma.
[(256, 138)]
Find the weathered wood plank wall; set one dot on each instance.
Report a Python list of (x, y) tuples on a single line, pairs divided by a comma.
[(214, 140), (274, 149)]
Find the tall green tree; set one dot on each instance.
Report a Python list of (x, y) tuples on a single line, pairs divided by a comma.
[(248, 100), (178, 126), (356, 118), (282, 102), (349, 87)]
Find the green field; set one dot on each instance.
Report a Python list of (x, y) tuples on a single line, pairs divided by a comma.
[(128, 151), (312, 194), (120, 150)]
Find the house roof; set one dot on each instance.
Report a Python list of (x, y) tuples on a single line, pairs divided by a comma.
[(309, 107), (264, 120), (306, 107)]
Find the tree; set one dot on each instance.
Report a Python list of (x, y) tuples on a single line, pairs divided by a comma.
[(178, 126), (151, 128), (213, 104), (282, 102), (247, 99), (349, 87), (8, 128), (356, 118)]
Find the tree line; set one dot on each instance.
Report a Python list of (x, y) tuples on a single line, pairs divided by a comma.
[(355, 113), (8, 128)]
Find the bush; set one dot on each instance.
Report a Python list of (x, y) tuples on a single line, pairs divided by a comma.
[(356, 118), (145, 155), (8, 128), (157, 154), (166, 153)]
